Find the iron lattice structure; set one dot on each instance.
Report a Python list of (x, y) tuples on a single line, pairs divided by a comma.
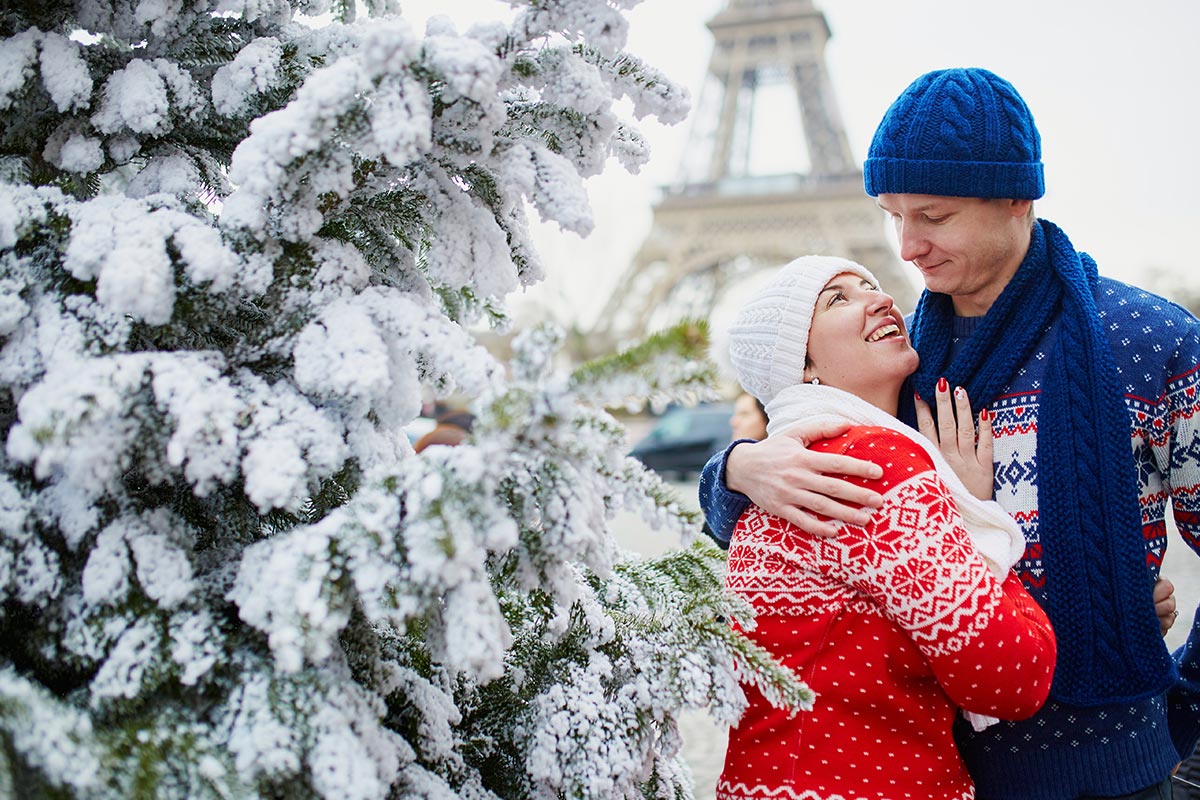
[(726, 221)]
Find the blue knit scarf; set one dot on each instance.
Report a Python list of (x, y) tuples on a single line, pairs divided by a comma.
[(1099, 593)]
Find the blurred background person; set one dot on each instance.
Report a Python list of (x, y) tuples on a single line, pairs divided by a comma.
[(749, 420), (452, 428)]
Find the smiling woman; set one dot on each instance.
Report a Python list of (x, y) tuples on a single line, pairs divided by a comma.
[(896, 624), (857, 342)]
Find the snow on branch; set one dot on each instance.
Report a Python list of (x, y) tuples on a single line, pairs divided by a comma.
[(240, 248)]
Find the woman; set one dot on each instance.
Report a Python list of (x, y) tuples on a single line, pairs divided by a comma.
[(749, 418), (896, 625), (748, 421)]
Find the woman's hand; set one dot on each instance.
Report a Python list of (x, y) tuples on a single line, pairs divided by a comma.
[(955, 435), (1165, 604)]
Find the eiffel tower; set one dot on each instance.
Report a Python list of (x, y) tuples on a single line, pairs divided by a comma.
[(713, 233)]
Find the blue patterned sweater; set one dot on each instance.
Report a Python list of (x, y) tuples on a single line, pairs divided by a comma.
[(1065, 751)]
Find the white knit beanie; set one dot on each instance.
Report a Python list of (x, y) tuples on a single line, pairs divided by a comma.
[(769, 337)]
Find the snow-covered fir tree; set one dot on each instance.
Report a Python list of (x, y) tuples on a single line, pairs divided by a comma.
[(236, 248)]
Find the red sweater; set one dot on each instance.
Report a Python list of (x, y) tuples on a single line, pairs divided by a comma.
[(895, 626)]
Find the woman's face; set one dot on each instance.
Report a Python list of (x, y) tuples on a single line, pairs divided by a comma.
[(857, 342), (747, 421)]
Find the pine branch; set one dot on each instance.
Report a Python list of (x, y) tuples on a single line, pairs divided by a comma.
[(671, 365), (237, 578), (687, 339)]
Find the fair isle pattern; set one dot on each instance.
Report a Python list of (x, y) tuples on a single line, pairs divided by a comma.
[(939, 578), (1014, 451), (1165, 437), (741, 791), (902, 564), (770, 570), (885, 623), (1156, 346)]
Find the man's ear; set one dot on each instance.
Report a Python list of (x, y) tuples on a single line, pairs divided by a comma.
[(1020, 208)]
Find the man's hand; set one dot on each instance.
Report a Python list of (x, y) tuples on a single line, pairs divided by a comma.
[(1164, 604), (954, 435), (782, 476)]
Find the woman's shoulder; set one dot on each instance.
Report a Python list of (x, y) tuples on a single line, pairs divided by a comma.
[(899, 454), (870, 436)]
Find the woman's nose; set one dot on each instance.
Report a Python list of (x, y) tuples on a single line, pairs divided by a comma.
[(881, 302)]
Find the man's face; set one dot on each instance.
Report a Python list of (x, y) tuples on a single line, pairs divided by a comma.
[(966, 247)]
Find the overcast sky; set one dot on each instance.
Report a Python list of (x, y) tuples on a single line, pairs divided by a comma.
[(1112, 85)]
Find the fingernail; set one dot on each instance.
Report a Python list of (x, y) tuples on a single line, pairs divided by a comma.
[(959, 393), (943, 385), (917, 396), (984, 416)]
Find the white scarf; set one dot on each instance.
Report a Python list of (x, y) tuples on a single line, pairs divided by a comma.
[(993, 532)]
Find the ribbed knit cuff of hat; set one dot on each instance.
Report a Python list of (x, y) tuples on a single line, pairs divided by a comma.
[(990, 179)]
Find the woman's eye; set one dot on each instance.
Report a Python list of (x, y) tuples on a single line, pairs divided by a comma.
[(836, 297)]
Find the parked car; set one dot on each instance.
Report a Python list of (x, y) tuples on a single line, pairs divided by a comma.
[(684, 439)]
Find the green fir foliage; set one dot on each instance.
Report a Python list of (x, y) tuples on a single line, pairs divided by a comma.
[(238, 249)]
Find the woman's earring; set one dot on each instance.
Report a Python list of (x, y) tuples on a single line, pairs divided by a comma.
[(815, 381)]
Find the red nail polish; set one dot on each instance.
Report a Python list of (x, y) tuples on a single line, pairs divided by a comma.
[(916, 397), (943, 385), (984, 416)]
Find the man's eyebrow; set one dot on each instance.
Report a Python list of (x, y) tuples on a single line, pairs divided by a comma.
[(924, 207)]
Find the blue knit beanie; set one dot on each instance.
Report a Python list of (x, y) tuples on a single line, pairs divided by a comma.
[(960, 133)]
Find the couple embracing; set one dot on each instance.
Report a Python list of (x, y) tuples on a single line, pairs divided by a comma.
[(978, 609)]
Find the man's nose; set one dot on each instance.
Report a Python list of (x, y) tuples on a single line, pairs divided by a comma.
[(913, 243)]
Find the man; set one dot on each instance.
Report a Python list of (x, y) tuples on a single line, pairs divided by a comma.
[(1091, 386)]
